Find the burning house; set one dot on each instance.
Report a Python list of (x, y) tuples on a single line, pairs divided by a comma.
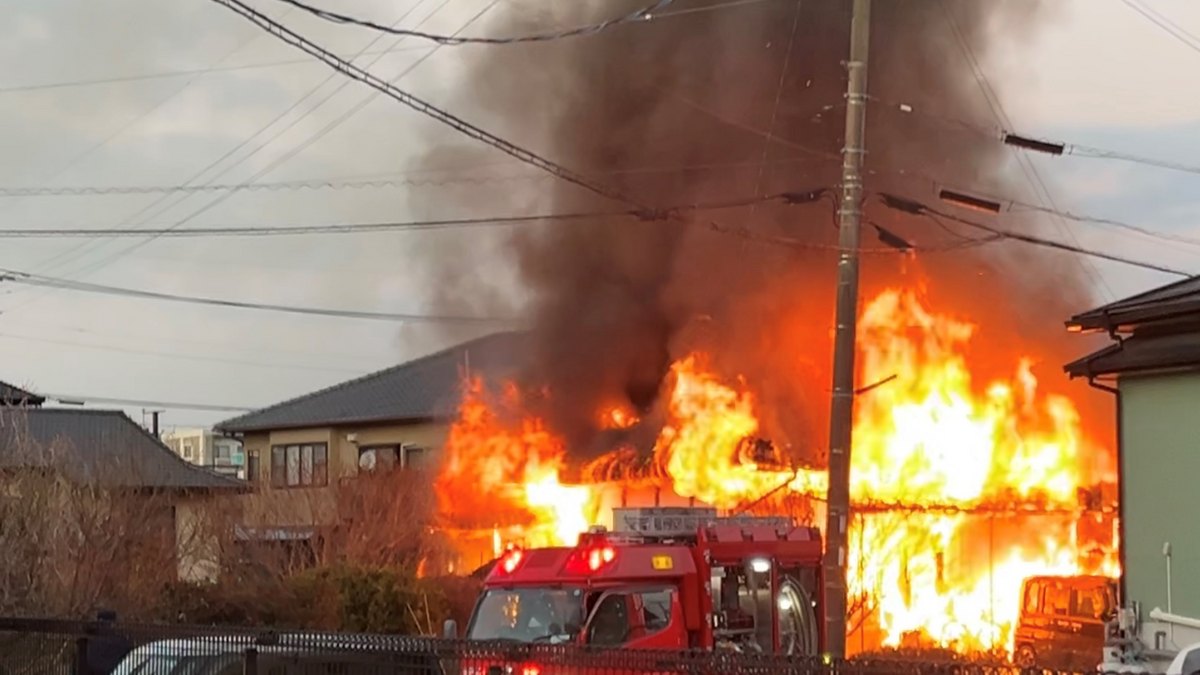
[(689, 358), (692, 356)]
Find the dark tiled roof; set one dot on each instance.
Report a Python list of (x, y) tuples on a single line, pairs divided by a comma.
[(1171, 302), (427, 388), (103, 446), (10, 395), (1140, 353)]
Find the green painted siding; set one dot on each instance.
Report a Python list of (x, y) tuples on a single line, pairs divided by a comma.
[(1160, 434)]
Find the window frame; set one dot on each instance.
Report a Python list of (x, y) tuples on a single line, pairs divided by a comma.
[(640, 605), (1034, 593), (634, 603), (253, 466), (382, 462), (1097, 593), (299, 465), (1053, 602), (407, 452)]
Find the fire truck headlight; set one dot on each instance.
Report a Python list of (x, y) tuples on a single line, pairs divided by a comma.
[(760, 565)]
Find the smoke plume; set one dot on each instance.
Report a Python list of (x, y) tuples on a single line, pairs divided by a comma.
[(738, 102)]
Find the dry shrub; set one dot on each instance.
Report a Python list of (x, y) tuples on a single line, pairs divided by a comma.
[(342, 597), (77, 538), (374, 567), (386, 518)]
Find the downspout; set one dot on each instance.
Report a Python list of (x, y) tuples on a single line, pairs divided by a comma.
[(1120, 484)]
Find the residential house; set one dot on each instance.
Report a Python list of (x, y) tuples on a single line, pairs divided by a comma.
[(206, 448), (103, 457), (1152, 368), (13, 396), (305, 455)]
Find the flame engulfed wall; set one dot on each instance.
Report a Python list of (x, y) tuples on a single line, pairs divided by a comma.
[(963, 488)]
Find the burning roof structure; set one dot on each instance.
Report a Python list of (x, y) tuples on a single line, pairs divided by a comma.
[(692, 356)]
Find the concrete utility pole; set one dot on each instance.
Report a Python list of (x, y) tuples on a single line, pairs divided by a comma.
[(841, 416)]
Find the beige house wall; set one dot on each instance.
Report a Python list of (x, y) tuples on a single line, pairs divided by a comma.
[(198, 539), (317, 506)]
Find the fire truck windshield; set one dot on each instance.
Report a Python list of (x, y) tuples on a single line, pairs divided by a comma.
[(530, 614)]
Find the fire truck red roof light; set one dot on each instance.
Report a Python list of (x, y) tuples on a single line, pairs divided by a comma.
[(511, 560), (600, 556), (586, 560)]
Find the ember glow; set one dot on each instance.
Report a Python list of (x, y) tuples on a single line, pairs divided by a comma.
[(962, 489), (618, 417)]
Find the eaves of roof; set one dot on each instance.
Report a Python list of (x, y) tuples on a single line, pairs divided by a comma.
[(1167, 303), (102, 446), (1140, 354), (427, 388)]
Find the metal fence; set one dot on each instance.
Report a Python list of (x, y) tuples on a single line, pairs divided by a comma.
[(46, 647)]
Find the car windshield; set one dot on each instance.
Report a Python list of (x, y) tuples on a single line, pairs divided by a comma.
[(552, 615)]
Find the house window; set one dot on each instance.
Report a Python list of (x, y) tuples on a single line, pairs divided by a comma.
[(300, 465), (414, 457), (377, 457), (223, 454), (252, 466), (188, 450)]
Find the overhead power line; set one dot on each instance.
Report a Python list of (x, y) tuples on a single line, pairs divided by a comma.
[(790, 198), (1013, 205), (270, 166), (139, 351), (349, 69), (1032, 175), (23, 278), (913, 207), (71, 399), (1146, 232), (1041, 145), (370, 181), (168, 74), (1165, 23), (297, 230), (644, 14), (280, 186)]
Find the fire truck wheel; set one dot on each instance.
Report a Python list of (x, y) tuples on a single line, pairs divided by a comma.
[(1025, 656), (798, 620)]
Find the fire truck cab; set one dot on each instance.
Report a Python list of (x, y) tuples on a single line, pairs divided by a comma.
[(664, 578)]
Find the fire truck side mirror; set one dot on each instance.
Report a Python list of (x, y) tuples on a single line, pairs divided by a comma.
[(450, 629)]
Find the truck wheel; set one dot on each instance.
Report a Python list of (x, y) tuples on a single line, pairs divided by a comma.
[(1025, 656), (797, 619)]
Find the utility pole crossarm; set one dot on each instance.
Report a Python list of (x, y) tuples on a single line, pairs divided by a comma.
[(841, 417)]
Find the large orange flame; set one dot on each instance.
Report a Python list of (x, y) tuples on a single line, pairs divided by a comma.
[(961, 490), (489, 463)]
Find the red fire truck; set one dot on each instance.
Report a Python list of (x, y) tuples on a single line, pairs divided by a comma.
[(663, 578)]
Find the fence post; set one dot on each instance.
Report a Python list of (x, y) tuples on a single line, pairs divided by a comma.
[(81, 655), (250, 662)]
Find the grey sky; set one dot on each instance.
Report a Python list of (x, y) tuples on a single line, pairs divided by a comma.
[(1101, 75)]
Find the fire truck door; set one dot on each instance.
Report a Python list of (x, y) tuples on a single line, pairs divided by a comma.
[(641, 618), (657, 620), (609, 623)]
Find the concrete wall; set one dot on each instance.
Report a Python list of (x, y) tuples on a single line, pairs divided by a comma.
[(1160, 447), (303, 507)]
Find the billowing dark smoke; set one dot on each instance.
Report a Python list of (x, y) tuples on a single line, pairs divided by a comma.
[(702, 108)]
